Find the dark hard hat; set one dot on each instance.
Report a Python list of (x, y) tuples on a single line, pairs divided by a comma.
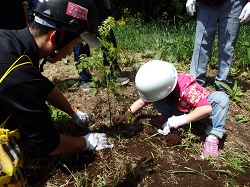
[(69, 15)]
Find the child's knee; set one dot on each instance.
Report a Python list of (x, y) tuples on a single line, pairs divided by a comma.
[(222, 99)]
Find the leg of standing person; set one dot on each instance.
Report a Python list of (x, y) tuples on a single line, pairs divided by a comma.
[(85, 76), (29, 9), (114, 63), (103, 14), (206, 26), (114, 66), (227, 36)]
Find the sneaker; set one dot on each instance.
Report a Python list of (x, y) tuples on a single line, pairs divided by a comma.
[(228, 82), (219, 88), (122, 80), (210, 148), (86, 87)]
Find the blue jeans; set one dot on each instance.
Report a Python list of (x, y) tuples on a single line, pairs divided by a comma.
[(226, 18), (78, 50), (220, 105)]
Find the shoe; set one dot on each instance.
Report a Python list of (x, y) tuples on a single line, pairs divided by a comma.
[(219, 88), (122, 80), (228, 82), (86, 87), (210, 148)]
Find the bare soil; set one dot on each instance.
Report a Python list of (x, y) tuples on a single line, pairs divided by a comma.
[(140, 157)]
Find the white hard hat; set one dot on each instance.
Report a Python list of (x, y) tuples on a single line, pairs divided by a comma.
[(155, 80)]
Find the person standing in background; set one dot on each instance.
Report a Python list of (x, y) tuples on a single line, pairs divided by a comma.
[(12, 14), (103, 11), (226, 15), (31, 4)]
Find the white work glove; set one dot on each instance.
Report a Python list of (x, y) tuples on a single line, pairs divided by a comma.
[(97, 141), (245, 14), (166, 129), (83, 120), (191, 7), (176, 121)]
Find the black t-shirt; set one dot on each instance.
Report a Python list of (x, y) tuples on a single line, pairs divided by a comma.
[(23, 92)]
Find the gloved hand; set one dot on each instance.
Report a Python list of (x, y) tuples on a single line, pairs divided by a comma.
[(245, 14), (191, 7), (97, 141), (118, 119), (166, 129), (176, 121), (83, 120)]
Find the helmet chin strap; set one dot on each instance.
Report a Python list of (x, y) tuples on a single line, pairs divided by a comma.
[(57, 41), (58, 37)]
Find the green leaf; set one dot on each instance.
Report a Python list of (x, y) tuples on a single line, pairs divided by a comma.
[(248, 108), (243, 120), (71, 82), (158, 55), (245, 74), (237, 98), (225, 86), (248, 53)]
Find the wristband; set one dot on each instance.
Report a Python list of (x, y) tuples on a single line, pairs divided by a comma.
[(74, 111), (86, 143)]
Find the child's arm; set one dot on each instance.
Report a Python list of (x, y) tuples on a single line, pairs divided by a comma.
[(195, 115), (199, 113), (136, 106)]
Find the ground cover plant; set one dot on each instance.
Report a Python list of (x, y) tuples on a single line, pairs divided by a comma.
[(141, 156)]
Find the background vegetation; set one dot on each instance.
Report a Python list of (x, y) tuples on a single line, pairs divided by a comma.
[(174, 42), (163, 28)]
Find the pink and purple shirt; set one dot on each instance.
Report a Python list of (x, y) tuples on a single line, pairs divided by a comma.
[(192, 95)]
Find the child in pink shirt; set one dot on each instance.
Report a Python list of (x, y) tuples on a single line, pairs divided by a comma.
[(181, 100)]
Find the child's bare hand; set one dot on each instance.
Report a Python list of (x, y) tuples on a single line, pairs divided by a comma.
[(118, 119)]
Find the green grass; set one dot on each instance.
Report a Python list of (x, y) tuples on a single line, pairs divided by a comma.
[(242, 52), (159, 40), (175, 43)]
